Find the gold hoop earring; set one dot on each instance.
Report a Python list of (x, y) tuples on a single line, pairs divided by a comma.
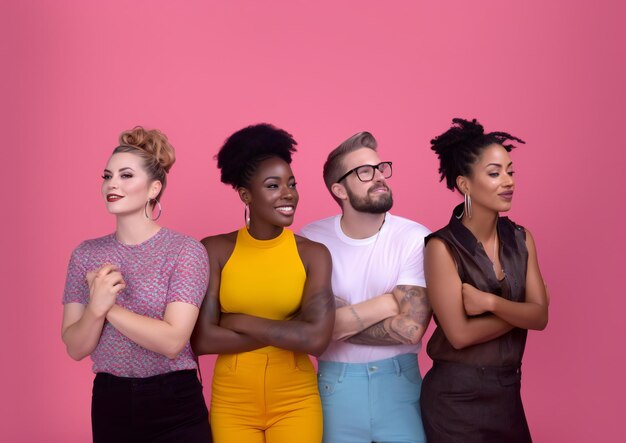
[(156, 203), (246, 216)]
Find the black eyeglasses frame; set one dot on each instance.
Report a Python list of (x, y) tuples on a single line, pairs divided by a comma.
[(374, 167)]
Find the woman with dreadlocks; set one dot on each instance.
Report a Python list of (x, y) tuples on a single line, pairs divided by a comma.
[(486, 291)]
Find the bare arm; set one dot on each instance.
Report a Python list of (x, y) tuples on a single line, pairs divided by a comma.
[(81, 329), (407, 327), (310, 331), (531, 314), (82, 324), (208, 336), (353, 319), (445, 294)]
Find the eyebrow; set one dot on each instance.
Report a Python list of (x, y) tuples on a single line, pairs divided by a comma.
[(498, 164), (122, 169), (273, 177)]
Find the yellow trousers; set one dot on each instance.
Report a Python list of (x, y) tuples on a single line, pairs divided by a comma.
[(265, 396)]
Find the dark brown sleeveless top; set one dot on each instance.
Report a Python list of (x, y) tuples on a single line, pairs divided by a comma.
[(475, 268)]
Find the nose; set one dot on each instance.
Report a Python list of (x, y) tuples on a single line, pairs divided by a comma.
[(288, 192), (112, 183), (378, 176), (509, 181)]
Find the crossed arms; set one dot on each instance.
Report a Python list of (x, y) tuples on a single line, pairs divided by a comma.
[(456, 304), (399, 317), (309, 331)]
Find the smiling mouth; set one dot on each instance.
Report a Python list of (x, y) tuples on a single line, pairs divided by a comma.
[(113, 197), (507, 195), (286, 210)]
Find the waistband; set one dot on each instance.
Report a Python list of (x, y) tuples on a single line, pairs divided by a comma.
[(481, 370), (393, 365), (170, 377), (266, 357), (269, 350)]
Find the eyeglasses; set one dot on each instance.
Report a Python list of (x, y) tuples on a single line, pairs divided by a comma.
[(366, 173)]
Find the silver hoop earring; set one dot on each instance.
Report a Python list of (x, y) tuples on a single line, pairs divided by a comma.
[(149, 203), (468, 205), (246, 216)]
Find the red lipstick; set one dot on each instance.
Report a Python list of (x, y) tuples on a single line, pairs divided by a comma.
[(114, 197)]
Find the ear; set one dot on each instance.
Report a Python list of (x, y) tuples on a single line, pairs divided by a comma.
[(244, 195), (463, 185), (155, 188), (339, 191)]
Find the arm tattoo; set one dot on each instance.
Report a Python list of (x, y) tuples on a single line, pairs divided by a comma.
[(375, 335), (358, 319), (405, 328), (286, 333), (340, 302)]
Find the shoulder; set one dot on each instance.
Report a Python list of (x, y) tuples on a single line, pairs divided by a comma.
[(406, 231), (437, 235), (436, 243), (88, 246), (519, 232), (443, 235), (314, 255), (529, 239), (406, 225), (219, 247), (186, 242), (183, 247), (508, 222), (220, 240), (310, 246), (319, 227), (437, 249)]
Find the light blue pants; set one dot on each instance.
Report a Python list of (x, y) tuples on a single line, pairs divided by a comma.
[(372, 402)]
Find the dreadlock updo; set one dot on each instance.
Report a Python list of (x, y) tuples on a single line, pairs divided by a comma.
[(243, 151), (460, 146)]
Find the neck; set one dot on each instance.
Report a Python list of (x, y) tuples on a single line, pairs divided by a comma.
[(482, 224), (134, 229), (266, 232), (359, 225)]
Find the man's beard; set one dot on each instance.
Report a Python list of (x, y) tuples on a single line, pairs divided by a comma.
[(366, 204)]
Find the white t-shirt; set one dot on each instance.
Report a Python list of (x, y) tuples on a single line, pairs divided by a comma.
[(366, 268)]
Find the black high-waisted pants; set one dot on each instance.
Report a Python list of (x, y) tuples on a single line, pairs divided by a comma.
[(163, 408), (469, 404)]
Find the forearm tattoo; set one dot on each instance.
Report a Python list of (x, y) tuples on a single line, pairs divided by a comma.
[(406, 327), (376, 335)]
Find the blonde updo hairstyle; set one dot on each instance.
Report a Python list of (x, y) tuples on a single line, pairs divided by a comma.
[(155, 150)]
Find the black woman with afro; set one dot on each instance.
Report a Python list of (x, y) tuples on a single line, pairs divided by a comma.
[(269, 303), (486, 291)]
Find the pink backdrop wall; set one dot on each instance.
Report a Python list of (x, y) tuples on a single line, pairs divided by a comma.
[(76, 73)]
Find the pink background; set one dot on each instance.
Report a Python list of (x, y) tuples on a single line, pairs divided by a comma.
[(76, 73)]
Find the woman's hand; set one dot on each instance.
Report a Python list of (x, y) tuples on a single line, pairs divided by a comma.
[(82, 324), (475, 302), (104, 286)]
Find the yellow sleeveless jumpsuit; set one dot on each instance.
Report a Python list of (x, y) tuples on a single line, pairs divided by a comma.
[(269, 394)]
